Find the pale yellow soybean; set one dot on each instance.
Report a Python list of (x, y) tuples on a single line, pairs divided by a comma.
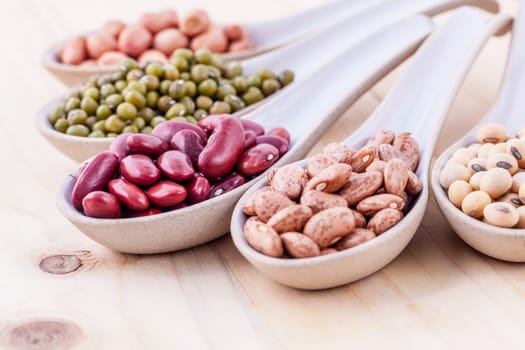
[(474, 203), (501, 214)]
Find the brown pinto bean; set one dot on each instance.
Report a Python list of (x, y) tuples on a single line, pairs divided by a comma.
[(289, 180), (94, 177), (188, 142), (331, 179), (281, 132), (377, 165), (356, 237), (195, 22), (257, 159), (319, 201), (363, 158), (360, 186), (371, 205), (299, 245), (139, 169), (382, 137), (329, 225), (129, 194), (249, 206), (414, 184), (263, 238), (409, 147), (384, 219), (119, 146), (387, 152), (250, 139), (198, 189), (360, 220), (318, 163), (249, 125), (134, 39), (176, 165), (166, 193), (224, 148), (395, 176), (150, 145), (227, 184), (168, 129), (267, 203), (275, 141), (292, 218), (100, 204), (147, 212), (339, 152)]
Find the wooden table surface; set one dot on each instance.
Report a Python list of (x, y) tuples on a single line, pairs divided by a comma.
[(438, 293)]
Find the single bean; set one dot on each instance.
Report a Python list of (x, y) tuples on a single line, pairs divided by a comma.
[(292, 218), (496, 182), (325, 227), (248, 207), (249, 125), (339, 152), (318, 163), (166, 193), (227, 184), (363, 158), (492, 133), (250, 139), (373, 204), (198, 189), (360, 186), (409, 148), (224, 148), (176, 165), (263, 238), (150, 145), (360, 220), (384, 220), (356, 237), (331, 179), (501, 214), (280, 132), (267, 203), (382, 137), (129, 194), (95, 176), (395, 176), (188, 142), (147, 212), (167, 130), (211, 121), (457, 191), (474, 203), (319, 200), (276, 141), (299, 246), (289, 180), (257, 159), (139, 169), (119, 146), (100, 204)]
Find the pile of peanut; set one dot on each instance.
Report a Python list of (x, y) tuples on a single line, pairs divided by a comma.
[(486, 180), (343, 198)]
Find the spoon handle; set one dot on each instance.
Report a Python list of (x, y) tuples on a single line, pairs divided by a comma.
[(509, 107), (419, 102), (346, 28)]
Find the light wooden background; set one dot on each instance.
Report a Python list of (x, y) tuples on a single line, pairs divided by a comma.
[(437, 294)]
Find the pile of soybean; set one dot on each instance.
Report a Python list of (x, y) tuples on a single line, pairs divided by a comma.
[(137, 98)]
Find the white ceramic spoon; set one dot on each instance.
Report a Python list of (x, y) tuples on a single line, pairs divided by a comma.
[(417, 104), (509, 109), (279, 32), (303, 57), (306, 117)]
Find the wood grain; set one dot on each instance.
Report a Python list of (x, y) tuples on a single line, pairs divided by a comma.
[(438, 293)]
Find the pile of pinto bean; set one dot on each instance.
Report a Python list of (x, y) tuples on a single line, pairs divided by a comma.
[(342, 198), (154, 38), (179, 164)]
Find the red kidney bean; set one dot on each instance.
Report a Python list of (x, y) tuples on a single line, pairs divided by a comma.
[(146, 212), (94, 177), (176, 165), (249, 125), (198, 189), (119, 146), (150, 145), (139, 169), (167, 129), (189, 142), (227, 184), (129, 194), (209, 122), (100, 204), (276, 141), (281, 132), (257, 159), (250, 139), (223, 149), (166, 193)]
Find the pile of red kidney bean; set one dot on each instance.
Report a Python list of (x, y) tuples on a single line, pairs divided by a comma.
[(179, 164)]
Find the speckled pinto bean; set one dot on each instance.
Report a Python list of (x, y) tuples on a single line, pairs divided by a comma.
[(414, 185), (198, 189), (339, 152), (139, 169), (176, 165), (188, 142), (146, 144), (331, 179), (363, 158), (119, 146), (360, 186), (356, 237), (377, 165), (395, 176), (223, 149), (409, 147), (387, 152), (292, 218), (382, 137), (371, 205), (95, 176), (289, 179), (275, 141), (248, 207), (268, 203), (227, 184), (318, 163), (129, 194), (299, 245), (100, 204), (360, 220), (263, 238), (325, 227), (257, 159), (384, 219), (319, 200), (167, 130)]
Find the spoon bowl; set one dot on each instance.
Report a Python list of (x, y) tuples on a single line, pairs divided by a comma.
[(500, 243), (273, 34), (417, 104), (205, 221)]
